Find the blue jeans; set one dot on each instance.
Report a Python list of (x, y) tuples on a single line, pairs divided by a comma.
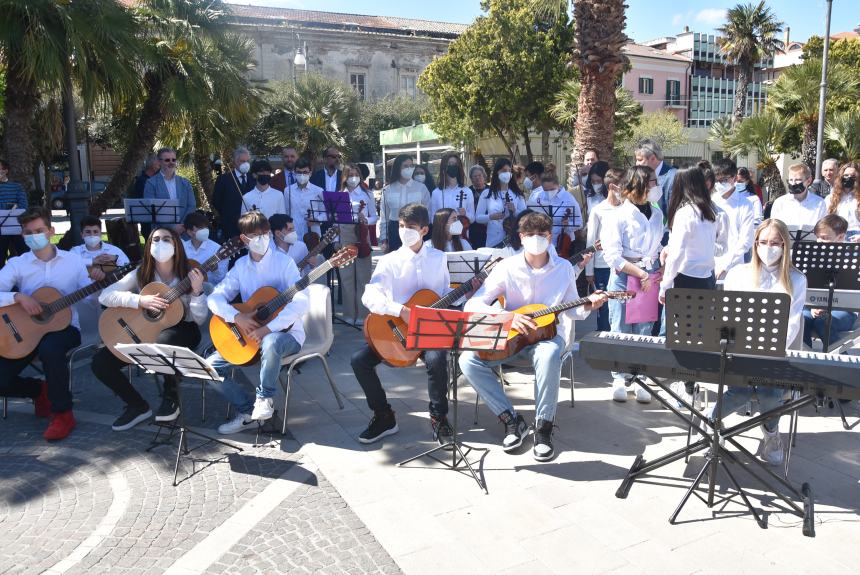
[(768, 398), (842, 321), (601, 281), (545, 358), (275, 347), (618, 310)]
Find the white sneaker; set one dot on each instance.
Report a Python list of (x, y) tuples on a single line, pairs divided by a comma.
[(239, 423), (264, 408), (642, 394), (619, 390), (771, 447)]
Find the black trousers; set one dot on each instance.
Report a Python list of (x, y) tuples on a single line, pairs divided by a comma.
[(110, 370), (52, 352), (11, 246), (364, 363)]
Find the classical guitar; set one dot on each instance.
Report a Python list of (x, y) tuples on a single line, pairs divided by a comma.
[(579, 256), (316, 250), (234, 344), (545, 318), (136, 325), (386, 334), (21, 332)]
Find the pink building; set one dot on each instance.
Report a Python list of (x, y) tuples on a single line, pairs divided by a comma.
[(658, 80)]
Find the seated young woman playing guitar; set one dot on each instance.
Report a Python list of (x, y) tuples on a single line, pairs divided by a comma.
[(164, 261)]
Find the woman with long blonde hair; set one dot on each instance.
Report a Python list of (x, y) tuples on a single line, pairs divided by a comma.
[(844, 200), (770, 270)]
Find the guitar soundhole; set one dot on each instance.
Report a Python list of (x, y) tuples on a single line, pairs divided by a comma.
[(43, 317), (153, 315)]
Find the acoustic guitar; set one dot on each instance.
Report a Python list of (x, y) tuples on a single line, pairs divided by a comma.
[(21, 332), (386, 334), (322, 244), (233, 343), (545, 318), (136, 325)]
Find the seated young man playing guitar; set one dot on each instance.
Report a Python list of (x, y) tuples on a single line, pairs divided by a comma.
[(44, 265), (535, 276), (398, 275), (265, 265)]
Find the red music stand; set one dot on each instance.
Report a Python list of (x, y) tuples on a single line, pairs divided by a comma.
[(455, 331)]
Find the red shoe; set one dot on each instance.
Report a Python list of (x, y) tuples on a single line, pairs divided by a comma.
[(42, 403), (61, 426)]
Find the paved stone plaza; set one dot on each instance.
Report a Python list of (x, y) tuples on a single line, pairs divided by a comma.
[(320, 502)]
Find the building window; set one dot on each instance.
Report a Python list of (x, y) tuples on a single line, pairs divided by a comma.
[(646, 85), (359, 84), (673, 92), (407, 85)]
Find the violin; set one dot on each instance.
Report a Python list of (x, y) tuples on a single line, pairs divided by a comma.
[(511, 219), (363, 230), (463, 219), (564, 243)]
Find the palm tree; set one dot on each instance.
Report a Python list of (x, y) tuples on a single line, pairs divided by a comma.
[(721, 131), (843, 129), (794, 97), (749, 35), (761, 134), (41, 44)]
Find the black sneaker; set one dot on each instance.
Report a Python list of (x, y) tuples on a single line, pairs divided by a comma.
[(442, 431), (132, 415), (516, 430), (382, 424), (543, 449), (168, 410)]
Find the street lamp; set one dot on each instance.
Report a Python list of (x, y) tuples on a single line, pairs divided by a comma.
[(822, 95)]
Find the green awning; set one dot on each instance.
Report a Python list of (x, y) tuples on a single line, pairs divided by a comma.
[(407, 135)]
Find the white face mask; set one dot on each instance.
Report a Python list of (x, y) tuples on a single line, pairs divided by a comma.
[(260, 244), (598, 188), (528, 184), (161, 251), (409, 237), (352, 182), (655, 193), (244, 167), (769, 255), (420, 178), (92, 241), (505, 177), (201, 235), (723, 188), (535, 245), (456, 228), (303, 179), (406, 173), (291, 237)]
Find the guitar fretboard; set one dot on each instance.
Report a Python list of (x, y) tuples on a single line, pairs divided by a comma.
[(76, 296), (184, 286), (286, 296)]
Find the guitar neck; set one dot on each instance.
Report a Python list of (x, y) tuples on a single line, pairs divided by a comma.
[(184, 286), (562, 307), (286, 296), (578, 257), (314, 252), (80, 294)]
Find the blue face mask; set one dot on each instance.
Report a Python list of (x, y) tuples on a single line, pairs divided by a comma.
[(37, 242)]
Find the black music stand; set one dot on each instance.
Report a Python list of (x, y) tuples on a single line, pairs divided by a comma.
[(463, 266), (179, 361), (558, 212), (455, 331), (732, 324), (152, 211)]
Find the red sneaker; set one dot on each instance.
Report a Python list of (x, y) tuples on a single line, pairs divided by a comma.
[(61, 426), (42, 403)]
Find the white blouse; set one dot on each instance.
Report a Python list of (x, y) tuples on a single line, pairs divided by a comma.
[(489, 205)]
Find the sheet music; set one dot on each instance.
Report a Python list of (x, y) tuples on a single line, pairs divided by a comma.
[(160, 358)]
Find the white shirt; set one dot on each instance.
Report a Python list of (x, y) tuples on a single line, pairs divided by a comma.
[(752, 198), (799, 213), (65, 272), (847, 208), (331, 182), (489, 205), (401, 273), (556, 207), (299, 200), (514, 278), (740, 278), (467, 247), (741, 229), (206, 250), (126, 293), (269, 201), (693, 244), (170, 185), (627, 235), (89, 255), (449, 198), (396, 195), (358, 195), (276, 269), (596, 217)]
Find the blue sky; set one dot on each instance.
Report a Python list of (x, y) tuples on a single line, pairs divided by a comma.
[(646, 19)]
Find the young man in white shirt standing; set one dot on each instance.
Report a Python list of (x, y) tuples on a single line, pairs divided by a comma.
[(304, 201), (741, 218), (264, 197), (415, 265), (200, 248), (287, 240), (554, 201), (94, 251), (800, 207)]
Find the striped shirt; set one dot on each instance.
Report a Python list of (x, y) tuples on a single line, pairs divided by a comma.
[(12, 193)]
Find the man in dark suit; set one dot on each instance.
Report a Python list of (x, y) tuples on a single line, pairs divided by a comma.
[(229, 189), (328, 178), (167, 185)]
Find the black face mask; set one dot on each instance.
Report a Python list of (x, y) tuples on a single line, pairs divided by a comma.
[(797, 188), (848, 182), (264, 179), (452, 171)]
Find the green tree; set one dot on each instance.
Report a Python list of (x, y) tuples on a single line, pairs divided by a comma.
[(721, 131), (377, 115), (500, 76), (662, 126), (750, 34), (761, 134), (843, 130)]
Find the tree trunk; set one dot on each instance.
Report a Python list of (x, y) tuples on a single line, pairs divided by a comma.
[(741, 86), (528, 144), (142, 140), (595, 121), (810, 137), (20, 102), (773, 181), (203, 167), (544, 144), (501, 134)]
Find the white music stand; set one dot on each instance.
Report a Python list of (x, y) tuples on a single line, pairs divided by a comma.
[(9, 225), (179, 361)]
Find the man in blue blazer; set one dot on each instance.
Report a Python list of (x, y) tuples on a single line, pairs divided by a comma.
[(167, 185), (328, 178)]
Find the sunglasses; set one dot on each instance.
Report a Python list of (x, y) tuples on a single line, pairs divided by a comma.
[(169, 160)]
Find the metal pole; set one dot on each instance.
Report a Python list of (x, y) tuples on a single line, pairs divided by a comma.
[(75, 193), (822, 95)]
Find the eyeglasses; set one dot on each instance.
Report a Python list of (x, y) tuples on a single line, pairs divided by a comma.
[(156, 239), (169, 160)]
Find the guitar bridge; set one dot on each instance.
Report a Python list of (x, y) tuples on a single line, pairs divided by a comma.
[(397, 333), (238, 334), (11, 325), (127, 329)]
